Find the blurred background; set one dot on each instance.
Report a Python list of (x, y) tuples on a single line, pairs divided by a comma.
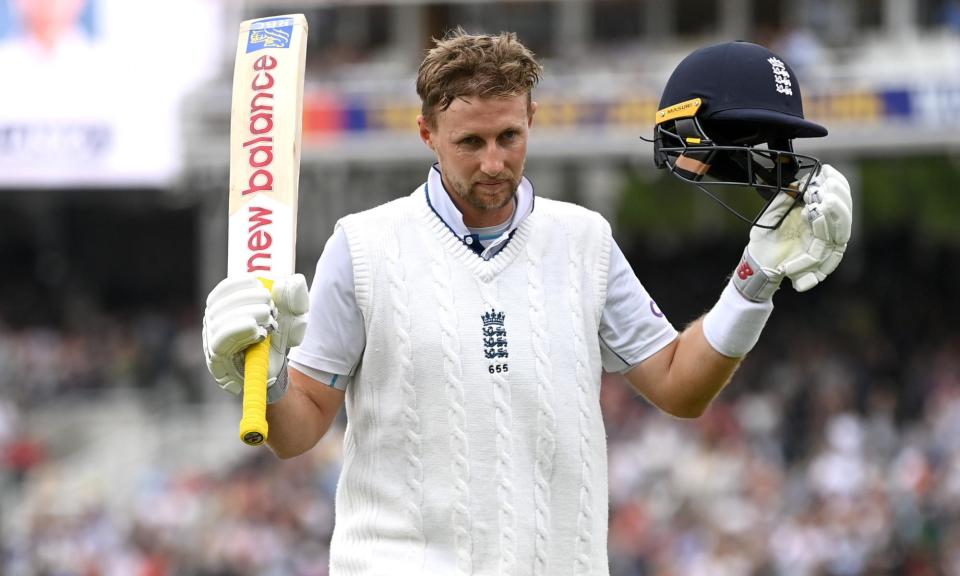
[(835, 451)]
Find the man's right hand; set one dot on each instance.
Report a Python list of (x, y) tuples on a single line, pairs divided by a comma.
[(241, 312)]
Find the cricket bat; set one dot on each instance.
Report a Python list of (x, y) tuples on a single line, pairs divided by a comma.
[(265, 124)]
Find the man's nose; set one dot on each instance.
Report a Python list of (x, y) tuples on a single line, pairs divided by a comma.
[(492, 162)]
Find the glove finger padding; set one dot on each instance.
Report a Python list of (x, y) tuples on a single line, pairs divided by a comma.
[(830, 217), (235, 334), (227, 374), (810, 241), (227, 303), (233, 285), (831, 262), (291, 296), (224, 368), (292, 301), (830, 220), (829, 183), (805, 271), (806, 281), (239, 316)]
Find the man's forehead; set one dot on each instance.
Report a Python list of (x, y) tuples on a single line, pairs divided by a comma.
[(478, 101), (472, 113)]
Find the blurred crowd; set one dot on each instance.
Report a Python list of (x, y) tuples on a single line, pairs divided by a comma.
[(834, 451), (154, 350), (793, 478)]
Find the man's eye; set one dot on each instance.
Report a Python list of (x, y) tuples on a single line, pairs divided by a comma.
[(471, 141)]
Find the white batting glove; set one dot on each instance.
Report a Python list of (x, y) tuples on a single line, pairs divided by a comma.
[(241, 312), (807, 246)]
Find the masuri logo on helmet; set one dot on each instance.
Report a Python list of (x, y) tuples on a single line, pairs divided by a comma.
[(727, 119)]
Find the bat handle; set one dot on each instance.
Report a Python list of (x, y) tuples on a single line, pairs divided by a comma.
[(253, 424)]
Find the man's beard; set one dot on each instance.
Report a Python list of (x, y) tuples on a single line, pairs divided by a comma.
[(487, 202)]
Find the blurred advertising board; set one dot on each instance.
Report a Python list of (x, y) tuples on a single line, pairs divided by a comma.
[(330, 115), (91, 88)]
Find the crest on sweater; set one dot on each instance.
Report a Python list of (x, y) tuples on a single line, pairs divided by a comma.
[(494, 334)]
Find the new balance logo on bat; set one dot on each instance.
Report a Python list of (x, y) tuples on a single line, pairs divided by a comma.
[(259, 240), (260, 146)]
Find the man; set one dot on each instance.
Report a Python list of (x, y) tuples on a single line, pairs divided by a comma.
[(466, 327)]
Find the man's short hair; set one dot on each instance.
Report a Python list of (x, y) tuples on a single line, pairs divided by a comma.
[(462, 65)]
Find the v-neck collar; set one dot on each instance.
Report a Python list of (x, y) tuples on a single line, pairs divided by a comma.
[(442, 205), (455, 245)]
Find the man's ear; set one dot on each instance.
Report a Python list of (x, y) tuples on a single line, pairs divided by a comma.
[(425, 134), (533, 110)]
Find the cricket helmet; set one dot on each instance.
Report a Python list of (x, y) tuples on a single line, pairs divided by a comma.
[(727, 119)]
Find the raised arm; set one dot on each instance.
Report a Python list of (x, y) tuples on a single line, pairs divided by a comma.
[(684, 377), (321, 331)]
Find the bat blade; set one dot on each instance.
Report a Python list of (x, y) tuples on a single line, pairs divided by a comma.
[(265, 127)]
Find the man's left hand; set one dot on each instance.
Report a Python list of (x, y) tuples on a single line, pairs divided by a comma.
[(807, 246)]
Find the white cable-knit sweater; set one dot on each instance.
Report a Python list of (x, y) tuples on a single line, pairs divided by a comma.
[(475, 443)]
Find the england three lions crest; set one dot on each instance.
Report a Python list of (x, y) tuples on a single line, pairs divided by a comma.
[(495, 340)]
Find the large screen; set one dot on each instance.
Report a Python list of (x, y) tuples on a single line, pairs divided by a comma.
[(91, 88)]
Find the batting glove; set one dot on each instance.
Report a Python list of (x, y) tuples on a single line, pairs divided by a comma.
[(807, 246), (241, 312)]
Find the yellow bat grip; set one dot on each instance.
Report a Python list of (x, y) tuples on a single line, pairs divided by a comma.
[(253, 424)]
